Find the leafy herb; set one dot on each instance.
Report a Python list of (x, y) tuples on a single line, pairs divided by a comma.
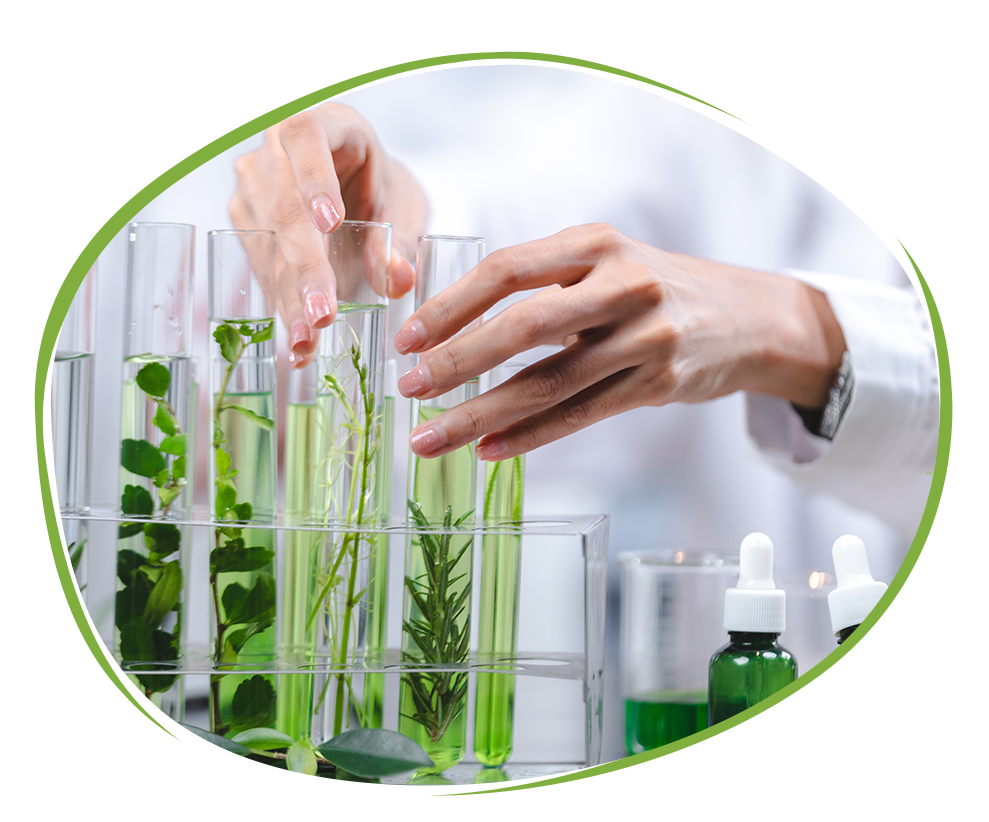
[(358, 431), (442, 632), (240, 614), (152, 583)]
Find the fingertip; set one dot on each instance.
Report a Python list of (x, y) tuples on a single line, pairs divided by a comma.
[(321, 308), (401, 276), (326, 214)]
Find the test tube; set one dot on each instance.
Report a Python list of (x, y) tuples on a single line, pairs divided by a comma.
[(438, 563), (348, 489), (71, 410), (155, 428), (243, 472), (497, 636), (300, 556), (672, 603)]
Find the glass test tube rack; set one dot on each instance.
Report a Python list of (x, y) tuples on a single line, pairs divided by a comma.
[(557, 667)]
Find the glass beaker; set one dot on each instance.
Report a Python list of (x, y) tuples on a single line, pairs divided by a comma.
[(243, 473), (348, 491), (438, 565), (155, 429), (71, 416), (498, 630), (672, 620)]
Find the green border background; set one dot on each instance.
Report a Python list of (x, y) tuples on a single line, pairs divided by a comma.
[(862, 723)]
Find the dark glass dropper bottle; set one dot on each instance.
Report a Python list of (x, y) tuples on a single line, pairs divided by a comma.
[(752, 666), (857, 592)]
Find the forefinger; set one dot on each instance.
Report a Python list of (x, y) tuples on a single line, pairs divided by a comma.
[(563, 259)]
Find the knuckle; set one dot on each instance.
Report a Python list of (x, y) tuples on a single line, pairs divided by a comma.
[(547, 385), (451, 362), (286, 209), (473, 421), (526, 323), (645, 284), (601, 238), (575, 415), (525, 435), (509, 267)]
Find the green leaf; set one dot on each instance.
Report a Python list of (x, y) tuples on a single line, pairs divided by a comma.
[(374, 752), (129, 561), (165, 595), (129, 529), (301, 759), (253, 705), (238, 639), (219, 741), (141, 457), (136, 502), (178, 468), (226, 496), (137, 641), (164, 421), (154, 379), (263, 334), (241, 512), (161, 539), (264, 739), (264, 422), (234, 556), (129, 604), (161, 479), (257, 605), (75, 554), (222, 462), (228, 339), (174, 445), (168, 494)]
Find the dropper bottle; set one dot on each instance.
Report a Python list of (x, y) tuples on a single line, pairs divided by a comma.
[(857, 592), (752, 666)]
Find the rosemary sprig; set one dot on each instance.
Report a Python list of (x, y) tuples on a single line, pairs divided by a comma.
[(442, 632)]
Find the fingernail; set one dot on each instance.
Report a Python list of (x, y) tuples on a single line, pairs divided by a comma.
[(491, 449), (415, 382), (317, 307), (411, 337), (428, 439), (325, 214), (299, 335)]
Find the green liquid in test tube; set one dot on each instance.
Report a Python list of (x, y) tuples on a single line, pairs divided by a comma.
[(501, 558)]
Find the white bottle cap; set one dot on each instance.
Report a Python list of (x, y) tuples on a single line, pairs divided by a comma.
[(857, 592), (755, 605)]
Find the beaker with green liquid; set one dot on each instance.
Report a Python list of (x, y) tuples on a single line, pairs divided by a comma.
[(498, 629), (439, 557), (672, 602), (244, 479)]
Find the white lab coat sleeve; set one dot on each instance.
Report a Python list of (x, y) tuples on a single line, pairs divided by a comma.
[(887, 441)]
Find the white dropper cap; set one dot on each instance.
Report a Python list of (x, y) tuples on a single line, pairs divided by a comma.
[(857, 592), (755, 605)]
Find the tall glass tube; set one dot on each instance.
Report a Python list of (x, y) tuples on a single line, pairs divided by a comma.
[(347, 487), (498, 630), (438, 566), (301, 559), (155, 423), (71, 409), (244, 478), (377, 634)]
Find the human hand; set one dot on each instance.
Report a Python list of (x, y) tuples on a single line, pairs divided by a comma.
[(314, 169), (649, 328)]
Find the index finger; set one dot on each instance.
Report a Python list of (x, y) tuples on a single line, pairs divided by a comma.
[(562, 259)]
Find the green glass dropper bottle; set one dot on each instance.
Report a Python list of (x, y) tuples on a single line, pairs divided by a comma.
[(857, 592), (752, 666)]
